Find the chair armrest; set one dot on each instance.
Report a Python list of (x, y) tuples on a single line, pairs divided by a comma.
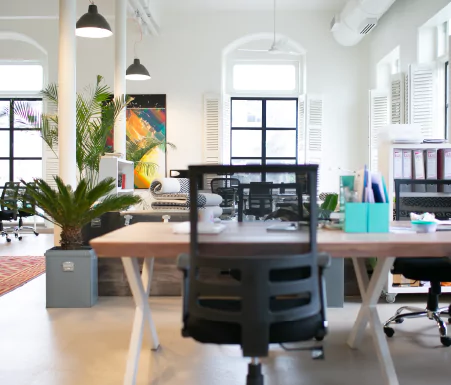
[(324, 260), (183, 262)]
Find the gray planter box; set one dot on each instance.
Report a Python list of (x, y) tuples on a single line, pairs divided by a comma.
[(71, 278)]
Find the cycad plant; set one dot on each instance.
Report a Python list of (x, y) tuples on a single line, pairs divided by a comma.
[(96, 114), (71, 210)]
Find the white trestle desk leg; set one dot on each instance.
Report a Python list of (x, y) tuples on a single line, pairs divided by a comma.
[(140, 287), (370, 292)]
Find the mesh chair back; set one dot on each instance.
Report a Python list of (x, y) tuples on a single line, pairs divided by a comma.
[(227, 188), (10, 196), (271, 291), (408, 198), (26, 201), (260, 198)]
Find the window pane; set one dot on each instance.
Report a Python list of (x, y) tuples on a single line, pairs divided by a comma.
[(248, 177), (4, 144), (264, 77), (4, 114), (281, 113), (246, 143), (281, 177), (281, 143), (27, 144), (4, 173), (18, 77), (246, 113), (24, 111), (27, 170)]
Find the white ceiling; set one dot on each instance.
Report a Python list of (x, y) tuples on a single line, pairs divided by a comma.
[(17, 9), (197, 5)]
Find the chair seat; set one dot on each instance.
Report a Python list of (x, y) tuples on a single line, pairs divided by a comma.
[(424, 269), (226, 333)]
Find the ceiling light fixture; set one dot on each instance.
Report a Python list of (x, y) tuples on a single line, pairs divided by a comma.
[(137, 71), (93, 24)]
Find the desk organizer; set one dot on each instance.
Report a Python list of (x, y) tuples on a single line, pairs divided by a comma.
[(366, 218)]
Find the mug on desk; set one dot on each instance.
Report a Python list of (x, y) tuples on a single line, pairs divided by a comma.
[(206, 214)]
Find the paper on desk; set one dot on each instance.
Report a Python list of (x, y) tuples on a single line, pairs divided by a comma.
[(401, 230)]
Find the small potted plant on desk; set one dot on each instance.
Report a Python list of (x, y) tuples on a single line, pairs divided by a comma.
[(71, 269)]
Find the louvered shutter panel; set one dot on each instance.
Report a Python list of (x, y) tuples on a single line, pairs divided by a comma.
[(378, 119), (301, 129), (406, 99), (211, 150), (422, 97), (225, 137), (314, 131), (397, 99)]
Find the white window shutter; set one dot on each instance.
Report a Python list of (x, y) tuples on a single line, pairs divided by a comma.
[(422, 97), (211, 134), (314, 131), (301, 129), (397, 99), (406, 99), (226, 122), (378, 119)]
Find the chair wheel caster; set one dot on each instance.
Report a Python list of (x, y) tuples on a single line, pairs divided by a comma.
[(35, 233), (319, 338), (449, 321), (389, 332), (399, 321), (20, 238), (16, 235), (390, 298), (446, 341), (8, 240)]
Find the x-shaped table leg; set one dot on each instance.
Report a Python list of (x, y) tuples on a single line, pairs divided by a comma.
[(370, 291), (140, 287)]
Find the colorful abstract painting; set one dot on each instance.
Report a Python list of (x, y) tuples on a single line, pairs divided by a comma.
[(146, 116)]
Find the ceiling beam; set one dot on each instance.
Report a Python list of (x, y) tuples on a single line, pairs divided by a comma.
[(146, 11)]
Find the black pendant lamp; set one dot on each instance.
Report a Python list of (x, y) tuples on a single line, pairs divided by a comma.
[(93, 24), (137, 71)]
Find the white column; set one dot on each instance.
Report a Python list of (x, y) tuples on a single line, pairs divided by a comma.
[(66, 96), (67, 91), (120, 36)]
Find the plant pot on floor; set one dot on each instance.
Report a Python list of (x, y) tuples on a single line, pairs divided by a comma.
[(71, 278)]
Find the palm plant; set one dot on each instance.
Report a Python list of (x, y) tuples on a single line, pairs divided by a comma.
[(71, 210), (96, 114), (136, 150)]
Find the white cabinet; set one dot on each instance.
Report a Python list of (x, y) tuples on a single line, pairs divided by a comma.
[(386, 167), (114, 167)]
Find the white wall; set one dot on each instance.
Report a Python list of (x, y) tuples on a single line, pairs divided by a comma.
[(185, 63), (400, 27)]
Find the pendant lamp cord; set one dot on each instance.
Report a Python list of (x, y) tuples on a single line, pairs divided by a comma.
[(140, 39), (274, 42)]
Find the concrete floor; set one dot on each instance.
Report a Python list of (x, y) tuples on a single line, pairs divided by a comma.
[(40, 346)]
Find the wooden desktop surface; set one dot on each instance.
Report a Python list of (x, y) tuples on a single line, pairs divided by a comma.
[(251, 238)]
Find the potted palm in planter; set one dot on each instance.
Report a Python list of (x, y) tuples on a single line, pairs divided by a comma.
[(72, 268)]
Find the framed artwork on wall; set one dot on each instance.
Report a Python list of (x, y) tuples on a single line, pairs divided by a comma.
[(146, 120)]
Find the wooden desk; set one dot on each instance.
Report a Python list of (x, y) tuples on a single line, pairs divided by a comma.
[(156, 240)]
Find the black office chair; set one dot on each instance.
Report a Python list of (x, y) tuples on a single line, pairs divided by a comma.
[(227, 188), (8, 207), (26, 206), (273, 299), (260, 201), (433, 270)]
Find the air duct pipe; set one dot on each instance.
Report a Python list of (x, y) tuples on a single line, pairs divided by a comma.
[(357, 19)]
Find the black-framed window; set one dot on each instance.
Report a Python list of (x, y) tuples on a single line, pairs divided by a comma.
[(264, 131), (20, 142), (446, 99)]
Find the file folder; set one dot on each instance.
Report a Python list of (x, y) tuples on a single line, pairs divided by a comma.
[(444, 167), (430, 165), (406, 169), (418, 170)]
